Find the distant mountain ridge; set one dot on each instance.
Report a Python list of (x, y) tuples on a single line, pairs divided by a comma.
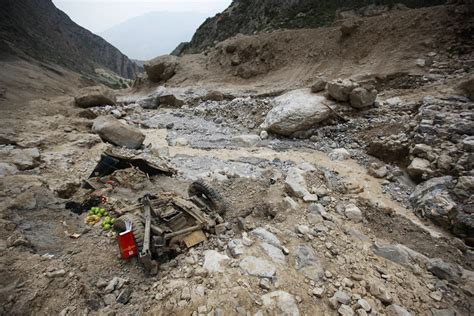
[(248, 16), (36, 28), (155, 33)]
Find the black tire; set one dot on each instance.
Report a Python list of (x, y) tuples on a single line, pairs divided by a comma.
[(212, 198), (138, 228)]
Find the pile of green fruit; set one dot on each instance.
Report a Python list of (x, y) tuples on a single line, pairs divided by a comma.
[(95, 214)]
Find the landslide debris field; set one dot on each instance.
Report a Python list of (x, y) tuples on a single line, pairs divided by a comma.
[(349, 185)]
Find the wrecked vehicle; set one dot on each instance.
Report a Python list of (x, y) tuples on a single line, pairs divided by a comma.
[(170, 223)]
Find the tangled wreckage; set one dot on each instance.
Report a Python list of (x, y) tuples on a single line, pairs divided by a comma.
[(162, 224)]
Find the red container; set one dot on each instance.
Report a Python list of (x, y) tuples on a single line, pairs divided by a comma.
[(127, 245)]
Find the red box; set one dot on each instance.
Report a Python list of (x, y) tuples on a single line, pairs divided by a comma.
[(127, 245)]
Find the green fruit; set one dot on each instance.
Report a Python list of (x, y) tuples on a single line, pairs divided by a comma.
[(112, 220), (107, 226)]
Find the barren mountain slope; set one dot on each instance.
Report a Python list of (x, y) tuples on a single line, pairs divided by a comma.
[(36, 28), (381, 45), (247, 17)]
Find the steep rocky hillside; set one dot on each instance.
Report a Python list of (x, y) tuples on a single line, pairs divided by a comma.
[(37, 29), (247, 17)]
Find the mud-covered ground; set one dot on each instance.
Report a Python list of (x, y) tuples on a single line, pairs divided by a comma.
[(312, 257)]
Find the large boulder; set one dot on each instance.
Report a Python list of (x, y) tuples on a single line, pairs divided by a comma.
[(431, 199), (161, 68), (295, 111), (94, 96), (117, 133), (341, 89), (419, 168), (362, 97)]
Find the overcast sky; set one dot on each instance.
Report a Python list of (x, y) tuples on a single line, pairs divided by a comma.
[(99, 15)]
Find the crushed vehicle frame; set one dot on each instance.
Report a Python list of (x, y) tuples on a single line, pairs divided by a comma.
[(170, 223)]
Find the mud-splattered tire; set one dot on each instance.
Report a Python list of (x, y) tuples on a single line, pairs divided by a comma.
[(137, 228), (212, 198)]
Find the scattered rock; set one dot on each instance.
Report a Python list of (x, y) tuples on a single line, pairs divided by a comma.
[(295, 111), (257, 267), (124, 296), (275, 253), (318, 292), (348, 27), (339, 154), (364, 304), (353, 212), (399, 254), (109, 299), (380, 292), (170, 100), (25, 159), (295, 183), (236, 247), (212, 261), (420, 62), (307, 263), (7, 169), (94, 96), (419, 168), (361, 97), (266, 236), (281, 302), (56, 273), (246, 140), (319, 85), (181, 141), (340, 89), (161, 68), (345, 310), (263, 135), (377, 171), (342, 297), (396, 310), (117, 133), (444, 270)]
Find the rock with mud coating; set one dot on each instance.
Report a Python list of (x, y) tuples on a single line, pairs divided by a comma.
[(341, 89), (444, 270), (296, 111), (257, 267), (94, 96), (280, 303), (246, 140), (212, 261), (361, 97), (353, 213), (117, 133), (399, 253), (25, 159), (7, 169), (266, 236), (161, 68), (307, 263), (296, 184)]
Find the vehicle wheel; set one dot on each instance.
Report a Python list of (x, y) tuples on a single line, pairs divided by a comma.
[(209, 195), (137, 228)]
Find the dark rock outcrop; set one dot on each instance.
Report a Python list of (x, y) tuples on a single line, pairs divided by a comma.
[(37, 29)]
